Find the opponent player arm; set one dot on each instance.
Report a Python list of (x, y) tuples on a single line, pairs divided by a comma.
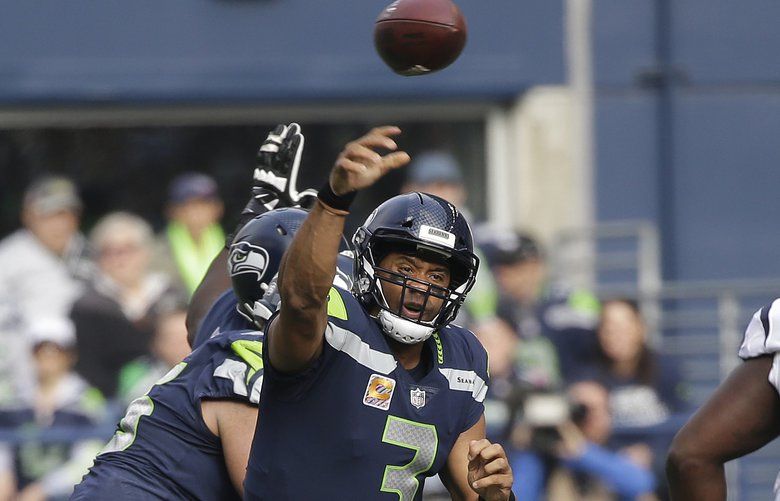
[(477, 469), (741, 416), (295, 337), (232, 421)]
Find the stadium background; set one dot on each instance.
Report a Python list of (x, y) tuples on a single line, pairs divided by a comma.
[(568, 118)]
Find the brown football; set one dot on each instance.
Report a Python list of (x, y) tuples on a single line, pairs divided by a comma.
[(416, 37)]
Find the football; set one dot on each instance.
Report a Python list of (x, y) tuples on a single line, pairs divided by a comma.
[(417, 37)]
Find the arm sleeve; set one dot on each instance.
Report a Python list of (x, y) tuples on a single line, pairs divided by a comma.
[(480, 384), (620, 474), (237, 374), (762, 336)]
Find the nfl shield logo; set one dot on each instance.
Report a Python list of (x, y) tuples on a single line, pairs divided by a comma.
[(417, 396)]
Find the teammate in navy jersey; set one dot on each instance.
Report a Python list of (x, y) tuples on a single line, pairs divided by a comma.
[(187, 437), (274, 187), (741, 416), (253, 261), (251, 257), (367, 395)]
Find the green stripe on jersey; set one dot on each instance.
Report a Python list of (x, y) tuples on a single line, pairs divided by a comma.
[(250, 352)]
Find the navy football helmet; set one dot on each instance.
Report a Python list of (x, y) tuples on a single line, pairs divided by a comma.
[(417, 223), (255, 256)]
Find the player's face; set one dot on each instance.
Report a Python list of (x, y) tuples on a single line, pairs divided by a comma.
[(423, 276)]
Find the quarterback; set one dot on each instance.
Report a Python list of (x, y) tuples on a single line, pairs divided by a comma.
[(367, 393)]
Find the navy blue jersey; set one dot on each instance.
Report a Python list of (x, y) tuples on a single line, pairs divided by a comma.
[(356, 424), (222, 317), (162, 448)]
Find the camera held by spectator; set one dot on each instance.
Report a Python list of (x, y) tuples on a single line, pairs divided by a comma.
[(559, 449)]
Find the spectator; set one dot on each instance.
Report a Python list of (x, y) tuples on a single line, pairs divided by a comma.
[(562, 453), (193, 235), (58, 398), (168, 348), (645, 387), (41, 266), (438, 173), (537, 309), (116, 315)]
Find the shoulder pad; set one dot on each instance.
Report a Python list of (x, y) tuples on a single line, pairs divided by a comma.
[(762, 336)]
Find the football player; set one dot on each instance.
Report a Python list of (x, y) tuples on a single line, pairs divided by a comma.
[(274, 186), (232, 300), (368, 394), (187, 437), (741, 416)]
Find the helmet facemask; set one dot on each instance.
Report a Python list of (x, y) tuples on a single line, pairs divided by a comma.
[(403, 327)]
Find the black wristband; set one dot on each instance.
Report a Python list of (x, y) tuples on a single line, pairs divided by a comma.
[(339, 202)]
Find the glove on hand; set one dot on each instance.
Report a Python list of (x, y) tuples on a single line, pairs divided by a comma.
[(276, 174)]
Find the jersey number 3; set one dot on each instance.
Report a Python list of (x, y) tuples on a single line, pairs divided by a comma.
[(419, 437)]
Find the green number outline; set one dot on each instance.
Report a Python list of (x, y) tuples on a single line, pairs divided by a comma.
[(416, 448), (116, 444)]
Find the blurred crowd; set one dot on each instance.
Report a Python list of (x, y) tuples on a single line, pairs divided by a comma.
[(89, 322)]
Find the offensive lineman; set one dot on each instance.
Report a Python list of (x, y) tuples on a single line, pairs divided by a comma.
[(367, 395), (187, 437)]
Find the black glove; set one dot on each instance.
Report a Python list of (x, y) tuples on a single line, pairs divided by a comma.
[(276, 174)]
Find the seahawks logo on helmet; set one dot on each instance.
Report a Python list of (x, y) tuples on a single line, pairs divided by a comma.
[(247, 258)]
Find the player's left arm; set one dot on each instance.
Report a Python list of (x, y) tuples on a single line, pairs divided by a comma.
[(478, 469), (233, 422)]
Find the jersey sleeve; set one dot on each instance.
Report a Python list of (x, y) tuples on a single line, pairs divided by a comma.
[(235, 372), (479, 363), (762, 336)]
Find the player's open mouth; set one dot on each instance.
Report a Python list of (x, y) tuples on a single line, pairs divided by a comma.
[(412, 311)]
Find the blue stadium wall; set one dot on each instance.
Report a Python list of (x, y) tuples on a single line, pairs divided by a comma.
[(688, 129), (687, 110), (269, 50)]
